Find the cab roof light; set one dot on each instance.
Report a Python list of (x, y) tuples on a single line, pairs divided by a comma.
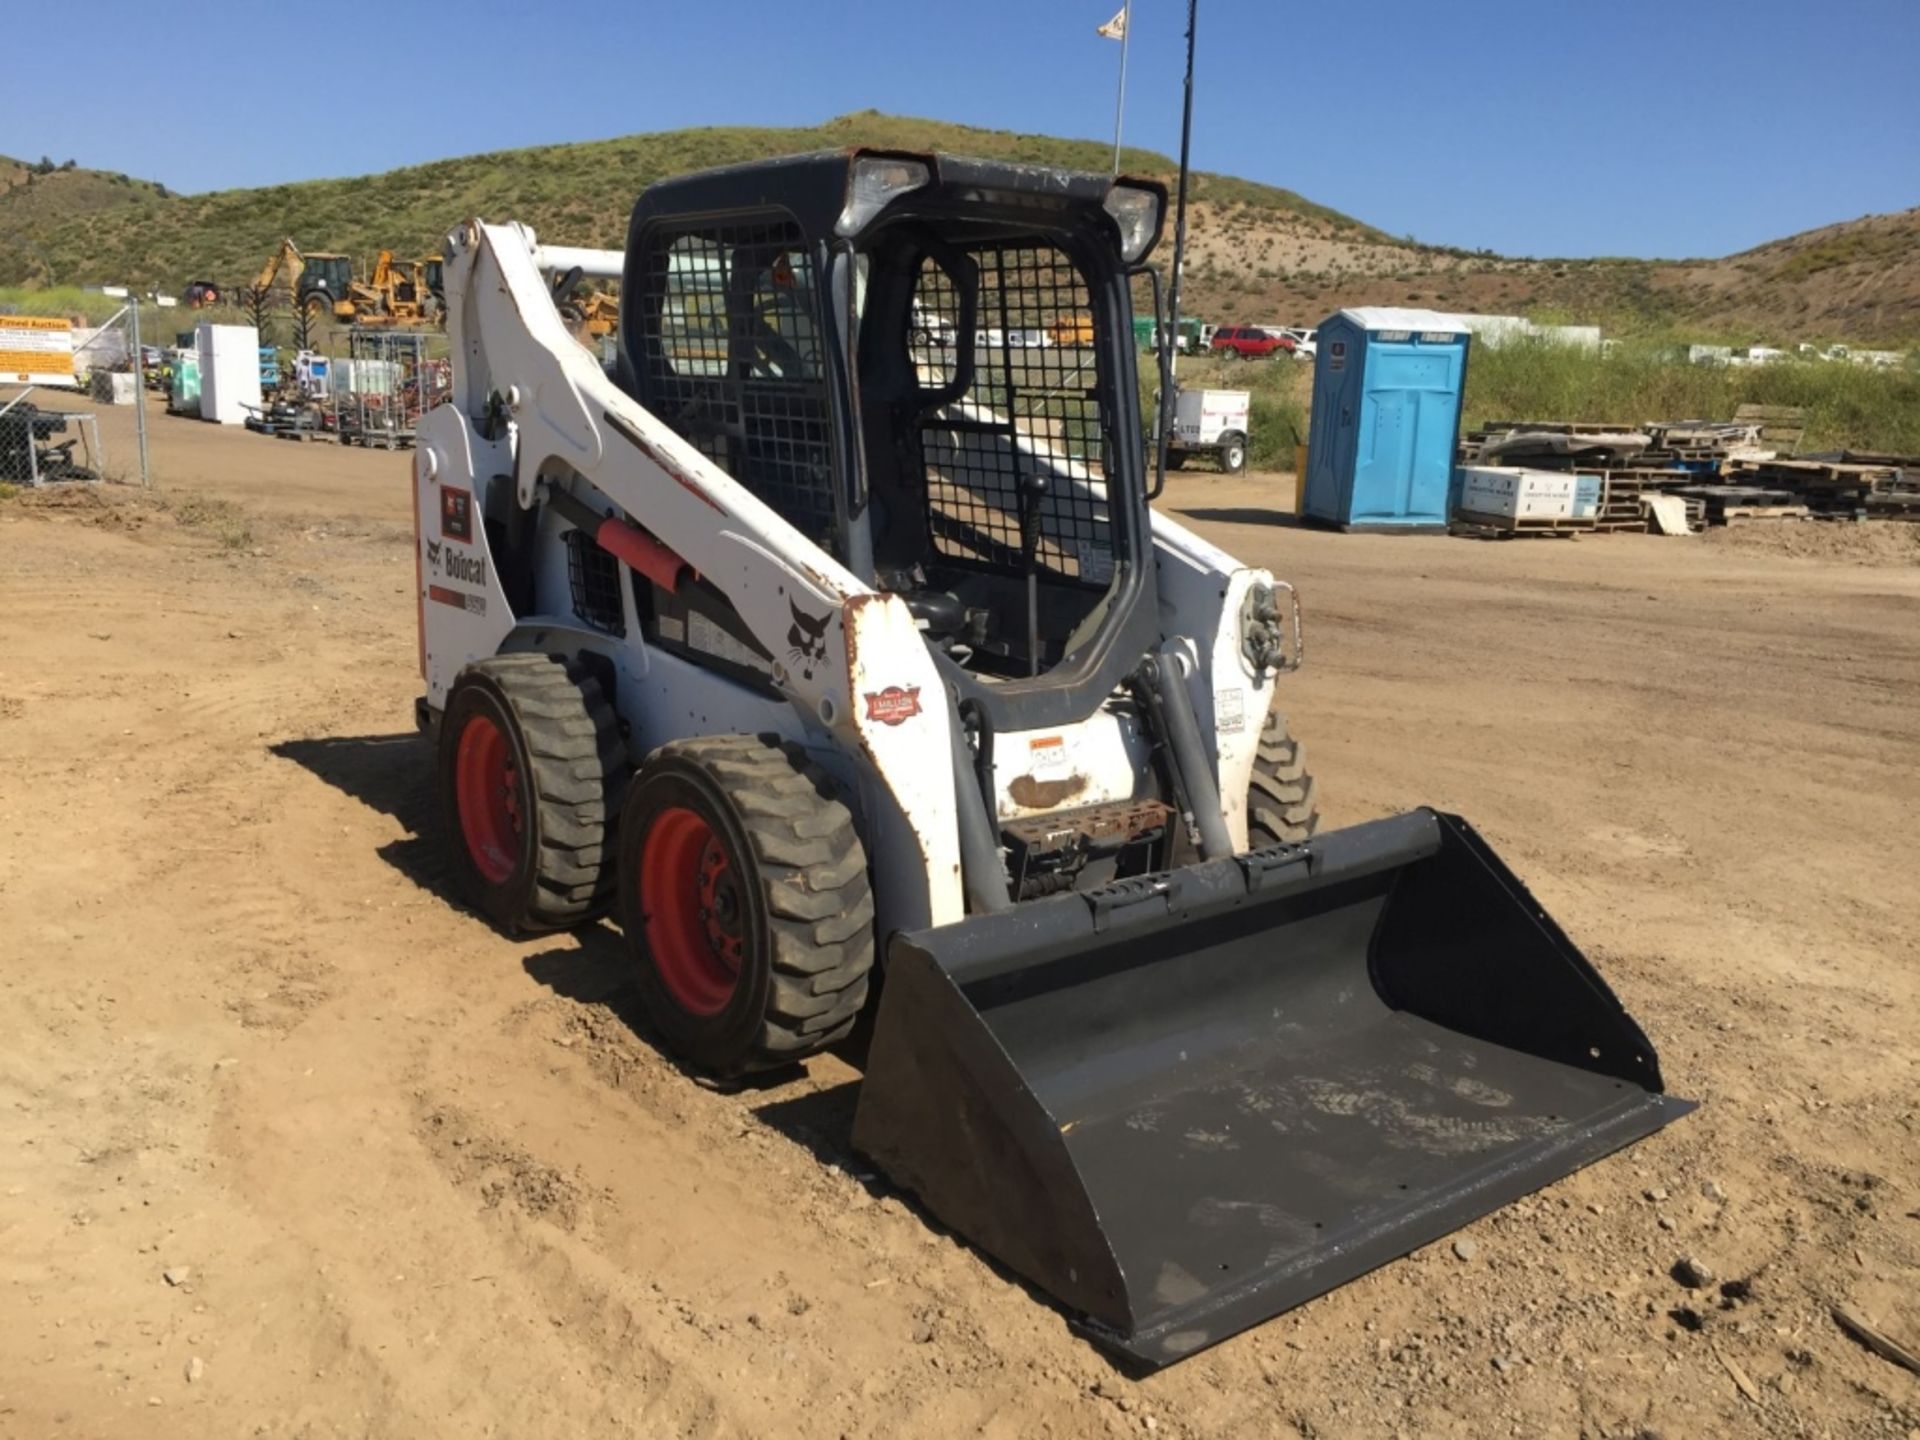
[(876, 181), (1137, 212)]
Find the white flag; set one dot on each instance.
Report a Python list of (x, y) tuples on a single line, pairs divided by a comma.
[(1116, 28)]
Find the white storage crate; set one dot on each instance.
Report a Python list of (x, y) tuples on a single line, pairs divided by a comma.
[(1515, 494)]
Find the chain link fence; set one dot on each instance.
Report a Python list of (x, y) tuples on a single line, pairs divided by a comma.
[(73, 398)]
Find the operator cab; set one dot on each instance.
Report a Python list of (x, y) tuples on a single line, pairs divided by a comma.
[(925, 364), (331, 273)]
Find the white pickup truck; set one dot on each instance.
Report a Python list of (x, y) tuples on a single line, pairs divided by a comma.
[(1305, 341)]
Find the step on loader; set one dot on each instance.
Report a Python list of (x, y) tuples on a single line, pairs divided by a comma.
[(827, 638)]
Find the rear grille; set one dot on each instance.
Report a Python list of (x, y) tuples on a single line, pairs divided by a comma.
[(594, 578), (1034, 407)]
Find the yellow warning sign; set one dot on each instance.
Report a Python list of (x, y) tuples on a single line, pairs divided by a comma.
[(36, 350)]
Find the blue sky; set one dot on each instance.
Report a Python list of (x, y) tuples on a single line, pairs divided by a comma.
[(1690, 127)]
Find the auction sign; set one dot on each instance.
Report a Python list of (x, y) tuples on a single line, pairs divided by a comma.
[(36, 351)]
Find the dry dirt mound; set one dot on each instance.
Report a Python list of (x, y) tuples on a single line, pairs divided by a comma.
[(1875, 543)]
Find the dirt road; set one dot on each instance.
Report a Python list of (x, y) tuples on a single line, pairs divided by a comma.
[(293, 1146)]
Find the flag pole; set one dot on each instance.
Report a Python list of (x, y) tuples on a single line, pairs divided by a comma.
[(1180, 203), (1170, 342), (1120, 100)]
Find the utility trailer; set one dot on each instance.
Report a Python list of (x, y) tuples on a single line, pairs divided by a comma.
[(1211, 423)]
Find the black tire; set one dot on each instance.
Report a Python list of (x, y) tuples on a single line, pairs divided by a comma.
[(319, 311), (1280, 796), (1232, 452), (550, 868), (1176, 459), (791, 919)]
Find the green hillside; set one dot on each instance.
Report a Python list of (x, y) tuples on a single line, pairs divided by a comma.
[(37, 198), (580, 193)]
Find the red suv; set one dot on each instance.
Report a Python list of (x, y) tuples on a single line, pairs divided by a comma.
[(1248, 342)]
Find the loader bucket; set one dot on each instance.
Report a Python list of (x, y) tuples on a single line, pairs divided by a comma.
[(1188, 1102)]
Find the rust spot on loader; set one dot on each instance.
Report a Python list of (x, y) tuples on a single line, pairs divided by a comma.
[(849, 623), (1032, 793)]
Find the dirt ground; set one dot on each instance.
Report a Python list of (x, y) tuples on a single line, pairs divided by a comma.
[(293, 1146)]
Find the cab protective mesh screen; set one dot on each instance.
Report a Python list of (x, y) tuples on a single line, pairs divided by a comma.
[(1016, 467), (737, 367)]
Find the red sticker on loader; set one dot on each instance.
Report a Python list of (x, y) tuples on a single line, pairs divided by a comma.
[(456, 514), (893, 705)]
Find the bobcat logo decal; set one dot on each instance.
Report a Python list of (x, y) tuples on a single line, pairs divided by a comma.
[(808, 638), (433, 553)]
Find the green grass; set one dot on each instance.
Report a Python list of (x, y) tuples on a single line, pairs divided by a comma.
[(1847, 405), (577, 194)]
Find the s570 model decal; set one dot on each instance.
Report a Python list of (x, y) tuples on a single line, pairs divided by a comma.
[(458, 599)]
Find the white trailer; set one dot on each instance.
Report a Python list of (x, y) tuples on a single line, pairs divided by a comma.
[(1210, 422)]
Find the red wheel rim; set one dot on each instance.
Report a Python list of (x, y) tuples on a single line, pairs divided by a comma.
[(695, 911), (488, 792)]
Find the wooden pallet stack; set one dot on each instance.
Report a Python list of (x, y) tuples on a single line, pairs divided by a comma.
[(1782, 427), (1472, 448), (1893, 486), (1723, 504), (1833, 489), (1623, 497), (1723, 472), (1507, 527)]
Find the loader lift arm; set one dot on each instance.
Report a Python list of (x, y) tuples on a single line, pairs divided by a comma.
[(561, 425)]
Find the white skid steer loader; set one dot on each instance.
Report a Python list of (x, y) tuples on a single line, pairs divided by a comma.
[(833, 627)]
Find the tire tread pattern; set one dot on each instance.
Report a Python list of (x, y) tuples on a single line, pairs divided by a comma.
[(813, 871), (573, 740), (1281, 793)]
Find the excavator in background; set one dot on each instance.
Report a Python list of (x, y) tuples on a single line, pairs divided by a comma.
[(318, 284), (590, 314), (397, 294)]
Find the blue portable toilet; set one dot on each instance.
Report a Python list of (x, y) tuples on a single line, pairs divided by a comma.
[(1386, 418)]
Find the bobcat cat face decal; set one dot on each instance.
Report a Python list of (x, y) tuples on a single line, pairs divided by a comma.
[(807, 637)]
